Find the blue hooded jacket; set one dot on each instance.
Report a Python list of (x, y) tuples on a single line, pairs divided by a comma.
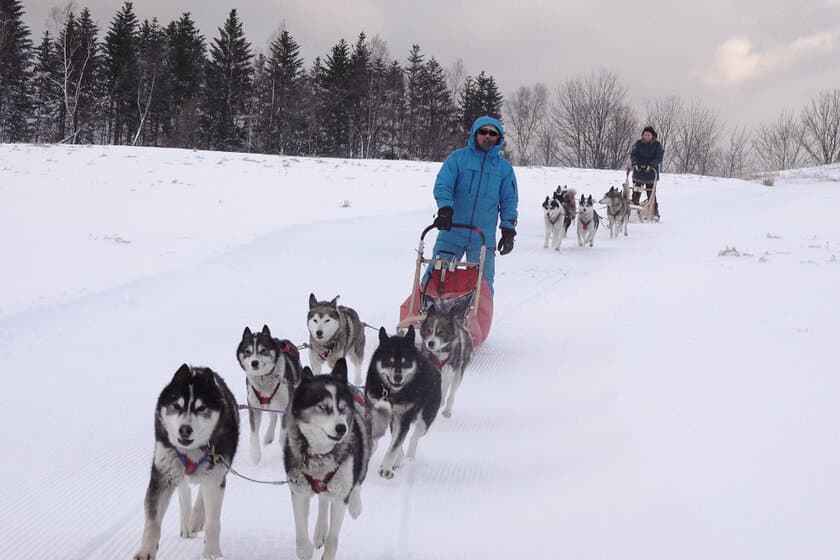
[(480, 187)]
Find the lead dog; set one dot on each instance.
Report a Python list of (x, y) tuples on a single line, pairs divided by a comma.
[(553, 217), (587, 223), (327, 451), (196, 434)]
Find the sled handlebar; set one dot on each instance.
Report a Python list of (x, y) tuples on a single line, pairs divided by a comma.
[(463, 226)]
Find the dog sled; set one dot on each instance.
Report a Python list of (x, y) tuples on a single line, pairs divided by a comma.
[(645, 210), (449, 280)]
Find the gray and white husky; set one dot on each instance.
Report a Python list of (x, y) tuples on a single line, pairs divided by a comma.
[(403, 388), (196, 434), (587, 222), (618, 211), (272, 371), (566, 197), (328, 447), (553, 217), (335, 332), (447, 342)]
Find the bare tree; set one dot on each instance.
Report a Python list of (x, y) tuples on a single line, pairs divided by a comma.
[(455, 76), (735, 158), (694, 139), (524, 110), (780, 144), (821, 119), (585, 116)]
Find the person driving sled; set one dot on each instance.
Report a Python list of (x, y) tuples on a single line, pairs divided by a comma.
[(645, 158), (477, 186)]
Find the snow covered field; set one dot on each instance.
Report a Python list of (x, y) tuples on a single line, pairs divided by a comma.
[(647, 398)]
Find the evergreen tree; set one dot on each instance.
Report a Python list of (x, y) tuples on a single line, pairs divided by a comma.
[(152, 86), (439, 112), (229, 73), (479, 97), (185, 68), (15, 73), (335, 82), (395, 112), (359, 98), (414, 125), (46, 93), (280, 95), (121, 74)]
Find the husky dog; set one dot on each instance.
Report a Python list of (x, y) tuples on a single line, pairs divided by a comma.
[(566, 197), (447, 343), (327, 451), (272, 371), (618, 210), (588, 221), (404, 389), (196, 433), (554, 218), (335, 332)]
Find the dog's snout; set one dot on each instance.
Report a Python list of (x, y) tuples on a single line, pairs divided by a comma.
[(255, 364), (430, 344), (340, 429), (319, 333), (398, 377), (185, 431)]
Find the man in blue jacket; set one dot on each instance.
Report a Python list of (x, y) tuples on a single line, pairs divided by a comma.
[(477, 186), (646, 157)]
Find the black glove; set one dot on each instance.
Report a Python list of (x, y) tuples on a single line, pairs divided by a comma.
[(444, 218), (506, 242)]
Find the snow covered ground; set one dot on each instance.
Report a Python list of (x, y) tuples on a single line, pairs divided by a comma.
[(648, 398)]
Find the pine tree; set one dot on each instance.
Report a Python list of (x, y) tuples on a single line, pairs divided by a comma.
[(121, 74), (479, 97), (152, 83), (46, 93), (439, 112), (229, 73), (280, 95), (335, 87), (185, 67), (15, 74), (415, 76), (395, 112)]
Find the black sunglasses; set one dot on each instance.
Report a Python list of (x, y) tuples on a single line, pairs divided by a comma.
[(488, 131)]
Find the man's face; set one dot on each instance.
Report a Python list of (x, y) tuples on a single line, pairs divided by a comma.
[(486, 137), (647, 136)]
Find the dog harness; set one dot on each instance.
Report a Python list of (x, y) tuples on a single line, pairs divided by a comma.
[(267, 400), (585, 224), (554, 221), (319, 485), (191, 466), (325, 354), (440, 363)]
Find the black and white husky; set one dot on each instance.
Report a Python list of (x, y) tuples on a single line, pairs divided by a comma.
[(328, 446), (587, 222), (554, 217), (404, 390), (196, 433), (618, 211), (566, 197), (272, 371), (447, 343), (335, 331)]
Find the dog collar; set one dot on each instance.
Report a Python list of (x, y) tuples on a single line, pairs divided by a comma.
[(191, 466), (262, 398), (441, 363), (325, 354), (319, 485)]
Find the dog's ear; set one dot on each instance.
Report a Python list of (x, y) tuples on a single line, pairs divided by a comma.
[(545, 204), (306, 373), (340, 370), (183, 374), (589, 199), (266, 331), (247, 333), (460, 306), (312, 301), (383, 335), (334, 301), (428, 303), (582, 200), (409, 335)]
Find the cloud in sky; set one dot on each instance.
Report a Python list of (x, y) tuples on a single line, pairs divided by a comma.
[(737, 60)]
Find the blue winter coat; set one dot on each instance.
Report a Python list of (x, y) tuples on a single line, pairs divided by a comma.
[(646, 153), (480, 187)]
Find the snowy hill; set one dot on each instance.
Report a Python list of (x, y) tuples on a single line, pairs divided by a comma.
[(648, 398)]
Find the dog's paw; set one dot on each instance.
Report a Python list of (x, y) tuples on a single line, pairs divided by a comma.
[(211, 554), (146, 553), (354, 506), (188, 533), (319, 536), (446, 414), (386, 473), (269, 438), (305, 550)]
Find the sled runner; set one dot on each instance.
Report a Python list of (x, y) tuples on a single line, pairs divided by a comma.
[(450, 280), (646, 209)]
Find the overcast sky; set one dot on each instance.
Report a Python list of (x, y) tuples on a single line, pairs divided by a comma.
[(749, 59)]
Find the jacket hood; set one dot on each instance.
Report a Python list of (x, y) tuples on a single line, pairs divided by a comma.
[(481, 121)]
